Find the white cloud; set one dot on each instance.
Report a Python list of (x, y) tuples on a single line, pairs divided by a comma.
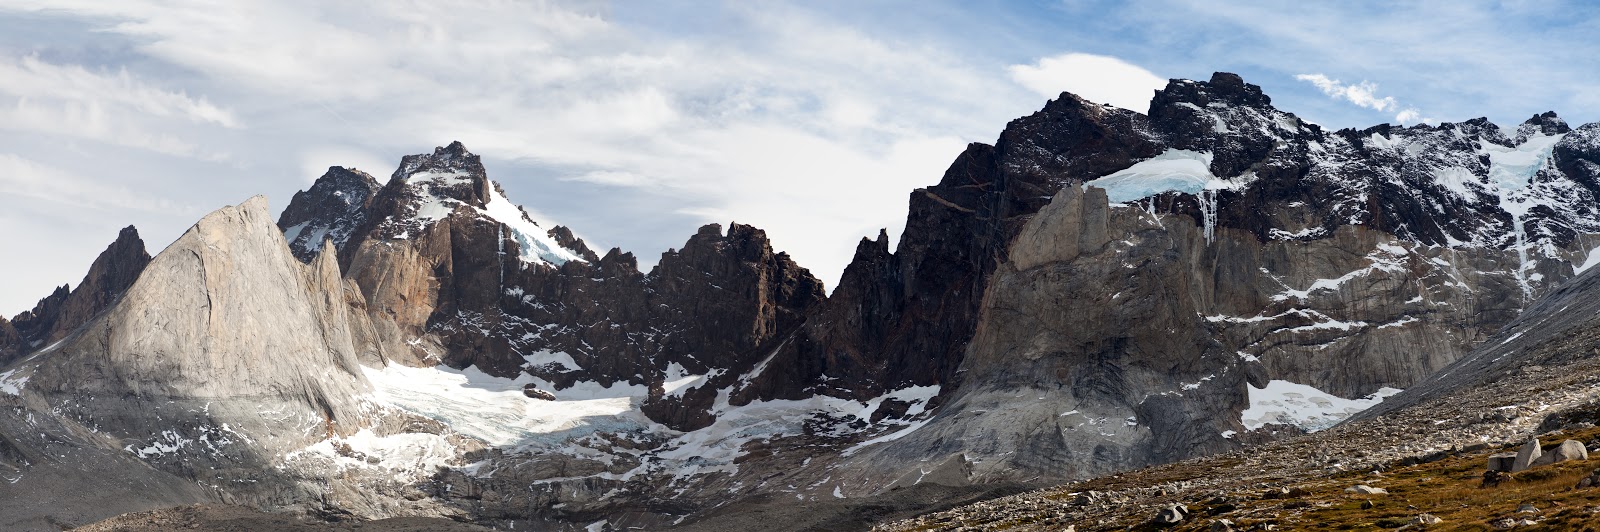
[(1410, 115), (799, 124), (1363, 94), (38, 182), (110, 106), (1097, 78), (29, 77)]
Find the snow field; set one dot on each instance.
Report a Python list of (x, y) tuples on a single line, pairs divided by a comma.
[(1303, 406)]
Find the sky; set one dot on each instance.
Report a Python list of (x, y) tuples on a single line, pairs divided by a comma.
[(634, 123)]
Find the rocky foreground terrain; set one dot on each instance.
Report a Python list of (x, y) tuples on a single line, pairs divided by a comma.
[(1100, 290)]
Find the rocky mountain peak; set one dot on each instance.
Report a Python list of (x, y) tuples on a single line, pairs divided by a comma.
[(225, 311), (723, 256), (346, 179), (334, 208), (451, 184), (618, 260), (868, 248), (449, 173), (454, 150), (8, 336), (111, 273), (1067, 139), (1223, 88), (1578, 155), (1546, 123), (563, 235), (64, 310)]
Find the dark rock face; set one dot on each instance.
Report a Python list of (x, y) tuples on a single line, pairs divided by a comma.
[(332, 209), (904, 318), (33, 324), (454, 274), (1578, 155), (64, 310), (9, 339), (724, 303), (1187, 115)]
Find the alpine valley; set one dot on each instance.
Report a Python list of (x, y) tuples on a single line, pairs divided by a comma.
[(1099, 291)]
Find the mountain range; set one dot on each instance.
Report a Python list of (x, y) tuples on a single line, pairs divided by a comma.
[(1100, 290)]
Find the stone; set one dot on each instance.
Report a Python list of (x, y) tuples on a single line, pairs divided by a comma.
[(1363, 489), (533, 391), (1492, 478), (1366, 504), (1568, 450), (1426, 519), (1527, 508), (1526, 456), (1502, 461), (1172, 515), (1222, 525), (1564, 452)]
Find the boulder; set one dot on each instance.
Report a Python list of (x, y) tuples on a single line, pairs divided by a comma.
[(1172, 515), (533, 391), (1526, 456), (1426, 519), (1569, 450), (1502, 462), (1363, 489)]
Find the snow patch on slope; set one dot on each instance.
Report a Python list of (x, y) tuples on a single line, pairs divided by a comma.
[(679, 380), (12, 382), (407, 457), (1514, 168), (724, 440), (1303, 406), (495, 410), (537, 246), (1590, 262), (1184, 171)]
